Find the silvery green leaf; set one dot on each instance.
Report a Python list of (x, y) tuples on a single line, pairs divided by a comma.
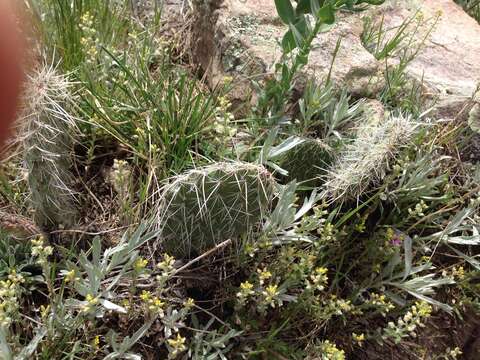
[(5, 351), (431, 301), (28, 351), (307, 205), (464, 240), (111, 306), (284, 214), (285, 146), (407, 245)]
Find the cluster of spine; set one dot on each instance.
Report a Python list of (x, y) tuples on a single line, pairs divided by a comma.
[(49, 132), (307, 162), (367, 159), (206, 206)]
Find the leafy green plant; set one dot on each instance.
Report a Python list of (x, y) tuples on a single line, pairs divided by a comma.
[(302, 31), (403, 42)]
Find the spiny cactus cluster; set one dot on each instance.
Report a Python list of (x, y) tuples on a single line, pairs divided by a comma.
[(49, 130), (367, 158), (206, 206), (307, 162)]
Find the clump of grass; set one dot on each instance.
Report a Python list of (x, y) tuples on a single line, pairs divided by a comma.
[(49, 135), (203, 207), (366, 160)]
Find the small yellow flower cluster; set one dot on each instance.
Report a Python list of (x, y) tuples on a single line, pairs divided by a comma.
[(358, 338), (176, 346), (246, 290), (453, 353), (419, 210), (96, 342), (44, 311), (263, 275), (329, 351), (267, 295), (227, 80), (140, 264), (70, 276), (10, 290), (270, 295), (250, 250), (361, 227), (90, 304), (327, 233), (458, 273), (406, 325), (89, 39), (318, 280), (223, 119), (188, 304), (41, 251), (339, 306), (153, 303), (166, 266), (380, 302)]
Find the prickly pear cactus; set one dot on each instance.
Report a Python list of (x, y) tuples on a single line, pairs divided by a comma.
[(209, 205), (48, 145), (307, 162)]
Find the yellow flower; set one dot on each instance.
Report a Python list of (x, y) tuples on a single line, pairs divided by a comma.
[(264, 275), (458, 273), (44, 311), (70, 276), (96, 341), (167, 264), (156, 305), (272, 290), (359, 339), (246, 285), (145, 295), (91, 301), (177, 345), (140, 264), (189, 303)]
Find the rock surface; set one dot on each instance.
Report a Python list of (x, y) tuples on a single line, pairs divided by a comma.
[(449, 63), (240, 38)]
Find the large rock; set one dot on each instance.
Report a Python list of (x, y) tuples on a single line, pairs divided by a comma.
[(449, 63), (240, 38)]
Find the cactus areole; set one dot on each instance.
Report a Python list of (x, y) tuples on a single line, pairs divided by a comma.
[(11, 74)]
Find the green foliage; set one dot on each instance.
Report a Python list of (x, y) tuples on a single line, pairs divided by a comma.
[(375, 223), (404, 43), (302, 31), (204, 207)]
